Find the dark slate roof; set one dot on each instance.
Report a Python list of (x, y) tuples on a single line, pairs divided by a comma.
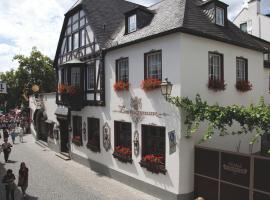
[(107, 19)]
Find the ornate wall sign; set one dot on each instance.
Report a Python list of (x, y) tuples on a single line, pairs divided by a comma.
[(135, 111), (172, 141), (106, 136), (136, 143), (84, 131)]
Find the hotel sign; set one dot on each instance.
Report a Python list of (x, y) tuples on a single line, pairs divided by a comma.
[(3, 88)]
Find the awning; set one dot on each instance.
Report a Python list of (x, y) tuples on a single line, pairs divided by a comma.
[(61, 111)]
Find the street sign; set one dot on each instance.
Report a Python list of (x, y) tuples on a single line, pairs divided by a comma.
[(3, 88)]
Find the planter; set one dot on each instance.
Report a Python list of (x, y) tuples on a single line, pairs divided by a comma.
[(122, 158), (153, 167), (150, 84), (93, 147), (77, 141), (121, 86), (216, 85), (243, 86)]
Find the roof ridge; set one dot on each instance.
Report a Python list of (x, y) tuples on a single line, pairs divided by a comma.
[(156, 3)]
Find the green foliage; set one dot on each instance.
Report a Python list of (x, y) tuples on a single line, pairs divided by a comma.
[(34, 69), (253, 118)]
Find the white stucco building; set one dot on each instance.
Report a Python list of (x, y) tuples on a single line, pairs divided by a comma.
[(112, 56)]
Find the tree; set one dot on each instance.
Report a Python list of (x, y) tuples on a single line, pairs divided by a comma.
[(36, 69)]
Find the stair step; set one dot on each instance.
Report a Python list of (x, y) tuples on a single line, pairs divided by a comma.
[(42, 144), (63, 156)]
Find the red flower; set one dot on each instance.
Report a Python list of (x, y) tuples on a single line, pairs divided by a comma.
[(61, 88), (120, 86), (154, 159), (123, 151), (243, 86), (216, 85), (150, 84)]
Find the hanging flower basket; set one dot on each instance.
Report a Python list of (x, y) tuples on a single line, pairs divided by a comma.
[(243, 86), (123, 154), (216, 85), (77, 140), (120, 86), (154, 163), (150, 84)]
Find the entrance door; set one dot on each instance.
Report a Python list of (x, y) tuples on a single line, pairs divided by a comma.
[(64, 136)]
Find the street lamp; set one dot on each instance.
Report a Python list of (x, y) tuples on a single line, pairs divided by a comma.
[(166, 88)]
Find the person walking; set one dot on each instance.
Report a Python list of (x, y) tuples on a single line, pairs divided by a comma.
[(23, 178), (20, 132), (13, 135), (5, 134), (6, 146), (10, 186)]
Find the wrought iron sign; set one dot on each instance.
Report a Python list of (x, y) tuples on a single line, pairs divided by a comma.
[(106, 136), (136, 143)]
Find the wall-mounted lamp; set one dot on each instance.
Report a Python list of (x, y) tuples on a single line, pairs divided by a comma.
[(166, 88)]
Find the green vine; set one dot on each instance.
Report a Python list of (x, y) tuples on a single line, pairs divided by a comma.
[(252, 119)]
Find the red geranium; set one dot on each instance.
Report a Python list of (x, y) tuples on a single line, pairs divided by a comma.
[(62, 88), (121, 85), (150, 84), (243, 86), (123, 151), (154, 159)]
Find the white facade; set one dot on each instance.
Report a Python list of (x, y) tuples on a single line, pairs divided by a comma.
[(257, 23)]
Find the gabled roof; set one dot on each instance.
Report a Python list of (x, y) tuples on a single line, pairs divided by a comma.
[(107, 19)]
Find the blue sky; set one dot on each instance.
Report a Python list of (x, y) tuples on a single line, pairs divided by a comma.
[(24, 25)]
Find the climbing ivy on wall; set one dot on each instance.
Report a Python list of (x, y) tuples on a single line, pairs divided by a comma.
[(253, 119)]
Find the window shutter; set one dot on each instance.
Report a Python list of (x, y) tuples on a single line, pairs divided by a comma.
[(246, 70)]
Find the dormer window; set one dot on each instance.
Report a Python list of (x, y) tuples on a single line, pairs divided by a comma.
[(132, 23), (220, 16)]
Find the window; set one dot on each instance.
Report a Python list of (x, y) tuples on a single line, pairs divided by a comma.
[(153, 65), (153, 148), (132, 23), (267, 57), (241, 69), (64, 73), (122, 141), (93, 134), (122, 70), (243, 27), (215, 66), (91, 76), (76, 40), (77, 130), (219, 16), (75, 76)]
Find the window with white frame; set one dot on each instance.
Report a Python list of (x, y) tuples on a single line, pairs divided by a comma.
[(241, 69), (75, 76), (153, 65), (91, 76), (220, 16), (267, 57), (132, 23), (64, 74), (243, 27), (215, 66), (122, 70)]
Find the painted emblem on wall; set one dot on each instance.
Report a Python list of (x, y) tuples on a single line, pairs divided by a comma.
[(172, 141), (106, 136), (136, 143)]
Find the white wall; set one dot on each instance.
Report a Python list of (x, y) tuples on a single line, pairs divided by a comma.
[(152, 101), (266, 83), (194, 77)]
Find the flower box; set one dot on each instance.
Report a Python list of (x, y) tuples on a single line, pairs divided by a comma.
[(150, 84), (154, 163), (243, 86), (93, 146), (123, 154), (121, 86), (77, 140), (216, 85)]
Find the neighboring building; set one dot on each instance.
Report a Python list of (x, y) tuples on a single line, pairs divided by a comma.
[(109, 49), (252, 21)]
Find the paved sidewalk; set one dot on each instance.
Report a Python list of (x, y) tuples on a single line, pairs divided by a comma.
[(51, 178)]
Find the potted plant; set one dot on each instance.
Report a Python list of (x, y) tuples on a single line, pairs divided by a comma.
[(150, 84), (77, 140), (216, 84), (154, 163), (243, 86), (120, 86), (123, 154)]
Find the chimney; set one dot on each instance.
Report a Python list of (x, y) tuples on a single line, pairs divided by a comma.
[(255, 6)]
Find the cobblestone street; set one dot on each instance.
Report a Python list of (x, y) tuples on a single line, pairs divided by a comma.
[(51, 178)]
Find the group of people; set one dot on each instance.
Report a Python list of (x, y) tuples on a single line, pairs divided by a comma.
[(9, 178)]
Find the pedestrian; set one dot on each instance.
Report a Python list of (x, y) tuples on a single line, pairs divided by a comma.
[(6, 146), (13, 135), (23, 178), (8, 180), (5, 134), (20, 132)]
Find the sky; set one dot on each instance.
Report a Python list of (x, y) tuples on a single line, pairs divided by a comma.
[(29, 23)]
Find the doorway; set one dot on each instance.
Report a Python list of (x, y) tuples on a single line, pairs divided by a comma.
[(64, 136)]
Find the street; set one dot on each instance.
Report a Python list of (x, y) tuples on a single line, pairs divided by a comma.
[(51, 178)]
